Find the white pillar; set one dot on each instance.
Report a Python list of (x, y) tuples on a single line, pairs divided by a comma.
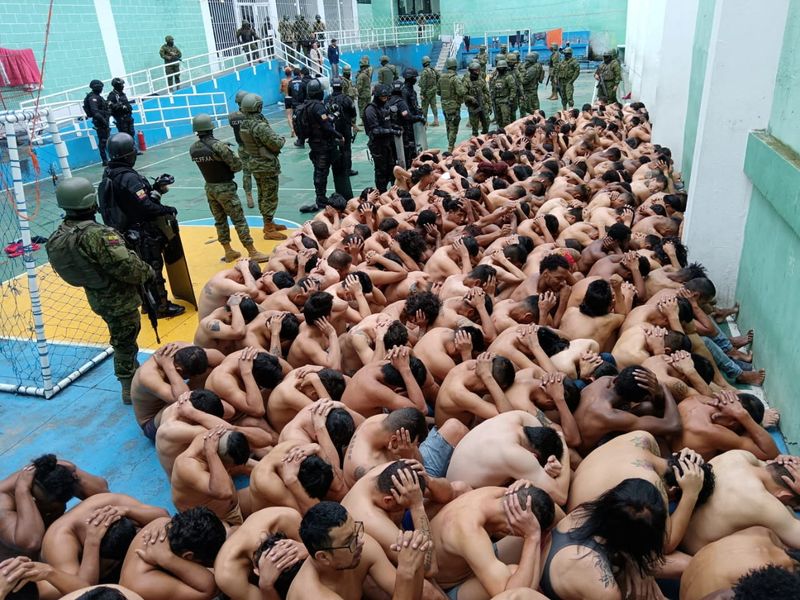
[(272, 10), (321, 11), (650, 58), (719, 191), (208, 27), (668, 113), (108, 32)]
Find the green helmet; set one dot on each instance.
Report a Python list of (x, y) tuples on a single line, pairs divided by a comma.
[(474, 66), (482, 47), (75, 193), (240, 96), (245, 23), (347, 69), (252, 103), (363, 61), (384, 59), (554, 46), (607, 54), (568, 51), (502, 64), (533, 57), (426, 60), (202, 123), (450, 63), (504, 48), (513, 58), (169, 39)]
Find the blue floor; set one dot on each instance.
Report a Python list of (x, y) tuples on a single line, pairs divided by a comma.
[(19, 361)]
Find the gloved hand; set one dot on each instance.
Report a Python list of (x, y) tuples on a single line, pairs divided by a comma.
[(397, 131), (170, 210)]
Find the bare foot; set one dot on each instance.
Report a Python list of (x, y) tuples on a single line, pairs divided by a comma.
[(739, 355), (742, 340), (721, 314), (771, 417), (752, 377)]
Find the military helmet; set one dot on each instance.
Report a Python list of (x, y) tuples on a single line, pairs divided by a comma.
[(482, 47), (347, 69), (607, 54), (504, 47), (317, 17), (568, 51), (363, 61), (397, 87), (252, 103), (240, 96), (474, 66), (314, 89), (75, 193), (96, 85), (117, 83), (450, 63), (202, 123), (502, 64), (512, 58), (169, 39), (382, 90), (384, 59), (245, 23), (120, 145), (426, 60), (336, 83), (553, 46), (533, 57), (410, 73)]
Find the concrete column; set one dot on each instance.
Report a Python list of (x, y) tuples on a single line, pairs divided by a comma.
[(719, 191), (668, 113), (108, 31), (651, 59), (208, 28)]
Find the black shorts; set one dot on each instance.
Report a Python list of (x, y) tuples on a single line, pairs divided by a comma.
[(287, 103)]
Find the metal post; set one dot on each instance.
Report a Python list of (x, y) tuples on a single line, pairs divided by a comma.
[(27, 256), (61, 147)]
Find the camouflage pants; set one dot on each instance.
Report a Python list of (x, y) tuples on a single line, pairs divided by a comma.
[(531, 101), (503, 115), (267, 184), (610, 94), (566, 90), (224, 202), (479, 122), (452, 118), (173, 73), (124, 330), (553, 83), (247, 179), (430, 101), (362, 105)]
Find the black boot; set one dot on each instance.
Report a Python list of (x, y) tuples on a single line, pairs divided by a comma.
[(165, 311), (311, 208)]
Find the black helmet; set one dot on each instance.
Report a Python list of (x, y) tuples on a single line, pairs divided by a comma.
[(397, 87), (410, 73), (336, 83), (118, 84), (314, 90), (304, 71), (382, 90), (122, 148), (96, 85)]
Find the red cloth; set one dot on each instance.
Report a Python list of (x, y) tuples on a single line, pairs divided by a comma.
[(20, 68), (555, 36)]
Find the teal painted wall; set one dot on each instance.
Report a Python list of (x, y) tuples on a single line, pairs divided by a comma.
[(604, 18), (74, 35), (705, 21), (769, 272), (143, 24)]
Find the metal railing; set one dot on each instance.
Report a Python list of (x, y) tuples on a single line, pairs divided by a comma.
[(375, 37)]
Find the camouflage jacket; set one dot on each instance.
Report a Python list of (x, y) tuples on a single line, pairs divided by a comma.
[(262, 144)]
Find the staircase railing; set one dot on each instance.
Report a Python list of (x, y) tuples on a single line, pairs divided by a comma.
[(374, 37)]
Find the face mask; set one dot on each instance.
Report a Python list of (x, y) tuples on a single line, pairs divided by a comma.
[(607, 59), (473, 76)]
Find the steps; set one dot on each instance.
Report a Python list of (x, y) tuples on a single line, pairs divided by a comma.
[(442, 56)]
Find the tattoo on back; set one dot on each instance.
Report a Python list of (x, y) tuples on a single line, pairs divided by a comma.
[(606, 575), (359, 472), (640, 462), (543, 419), (215, 326)]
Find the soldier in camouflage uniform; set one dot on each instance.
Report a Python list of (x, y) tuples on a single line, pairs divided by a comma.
[(482, 58), (428, 87), (87, 254), (263, 146), (348, 87), (518, 99), (451, 89), (606, 88), (568, 71), (387, 72), (302, 32), (363, 85), (235, 121), (501, 88), (286, 31), (218, 165), (555, 58), (171, 55), (616, 71), (502, 55), (533, 76), (477, 99)]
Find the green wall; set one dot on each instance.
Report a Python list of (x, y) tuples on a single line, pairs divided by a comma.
[(705, 21), (72, 55), (143, 24), (769, 272)]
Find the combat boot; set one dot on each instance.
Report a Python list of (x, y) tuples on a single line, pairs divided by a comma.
[(249, 196), (271, 232), (255, 255), (230, 254), (126, 390), (169, 310), (553, 97)]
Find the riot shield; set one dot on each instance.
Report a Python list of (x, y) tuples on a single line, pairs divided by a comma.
[(177, 270), (400, 150), (420, 137)]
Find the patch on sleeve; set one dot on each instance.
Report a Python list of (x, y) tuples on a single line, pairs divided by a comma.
[(113, 240), (141, 194)]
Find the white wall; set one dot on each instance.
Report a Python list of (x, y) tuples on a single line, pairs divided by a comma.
[(645, 27)]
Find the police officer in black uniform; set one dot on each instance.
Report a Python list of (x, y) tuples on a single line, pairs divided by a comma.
[(297, 90), (401, 115), (415, 113), (96, 108), (322, 141), (381, 131), (121, 109), (129, 204), (343, 110)]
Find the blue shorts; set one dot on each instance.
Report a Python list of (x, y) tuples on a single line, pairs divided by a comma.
[(149, 429), (436, 454), (452, 593)]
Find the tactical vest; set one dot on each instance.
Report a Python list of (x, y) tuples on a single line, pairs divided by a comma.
[(67, 259), (235, 121), (252, 147), (213, 168)]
